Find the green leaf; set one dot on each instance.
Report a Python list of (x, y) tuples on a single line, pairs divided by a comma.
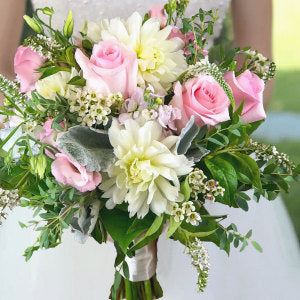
[(244, 245), (215, 141), (185, 189), (242, 203), (116, 285), (22, 225), (117, 224), (249, 234), (184, 236), (52, 70), (225, 174), (77, 80), (125, 269), (153, 232), (173, 226), (236, 242), (257, 246), (223, 240), (246, 168)]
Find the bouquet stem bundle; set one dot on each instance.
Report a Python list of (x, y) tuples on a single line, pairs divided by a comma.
[(140, 290)]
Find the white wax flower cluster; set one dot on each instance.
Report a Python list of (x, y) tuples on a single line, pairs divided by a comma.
[(199, 185), (91, 107), (187, 209)]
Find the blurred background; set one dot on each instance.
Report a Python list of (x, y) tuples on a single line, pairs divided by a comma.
[(282, 127)]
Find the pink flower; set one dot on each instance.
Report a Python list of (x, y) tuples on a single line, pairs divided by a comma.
[(112, 68), (132, 106), (186, 38), (73, 174), (167, 116), (203, 98), (50, 136), (159, 12), (25, 63), (250, 87)]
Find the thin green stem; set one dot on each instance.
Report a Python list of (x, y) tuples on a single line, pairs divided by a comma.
[(128, 292), (148, 290)]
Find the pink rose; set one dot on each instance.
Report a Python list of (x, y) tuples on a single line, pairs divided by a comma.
[(186, 39), (159, 12), (50, 136), (112, 68), (73, 174), (203, 98), (250, 87), (25, 63)]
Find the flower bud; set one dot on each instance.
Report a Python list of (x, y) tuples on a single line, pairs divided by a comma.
[(33, 24), (69, 25), (48, 11)]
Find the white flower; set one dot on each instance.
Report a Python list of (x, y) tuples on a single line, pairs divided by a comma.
[(56, 83), (161, 60), (178, 214), (145, 172), (210, 197), (193, 218), (211, 185), (188, 207), (219, 191)]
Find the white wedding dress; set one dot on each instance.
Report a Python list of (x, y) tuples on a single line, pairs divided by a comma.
[(78, 272)]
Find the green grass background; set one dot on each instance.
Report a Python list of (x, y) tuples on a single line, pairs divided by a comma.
[(286, 97)]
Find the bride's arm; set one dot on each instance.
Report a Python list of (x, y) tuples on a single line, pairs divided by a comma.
[(252, 26), (11, 23)]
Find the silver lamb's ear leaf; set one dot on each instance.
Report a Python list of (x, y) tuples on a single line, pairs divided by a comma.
[(88, 147), (84, 224), (188, 133), (196, 154)]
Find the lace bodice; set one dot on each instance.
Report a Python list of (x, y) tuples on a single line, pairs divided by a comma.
[(95, 10)]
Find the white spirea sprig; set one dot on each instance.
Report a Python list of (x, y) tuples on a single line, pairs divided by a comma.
[(261, 65), (10, 199), (92, 108), (268, 152), (200, 185), (44, 46), (200, 260)]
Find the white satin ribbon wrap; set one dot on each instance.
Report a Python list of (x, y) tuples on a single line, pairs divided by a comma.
[(143, 265)]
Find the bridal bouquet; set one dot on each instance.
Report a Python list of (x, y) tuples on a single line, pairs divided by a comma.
[(127, 130)]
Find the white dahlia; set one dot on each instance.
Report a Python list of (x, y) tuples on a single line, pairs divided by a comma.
[(161, 60), (145, 172)]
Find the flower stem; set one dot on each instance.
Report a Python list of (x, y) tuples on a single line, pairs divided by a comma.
[(148, 290), (128, 291)]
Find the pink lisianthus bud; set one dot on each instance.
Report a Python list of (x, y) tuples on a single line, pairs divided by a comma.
[(26, 62), (159, 12), (73, 174), (50, 136)]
